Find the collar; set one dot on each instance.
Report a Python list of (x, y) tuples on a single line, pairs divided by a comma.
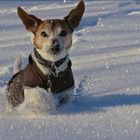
[(51, 65)]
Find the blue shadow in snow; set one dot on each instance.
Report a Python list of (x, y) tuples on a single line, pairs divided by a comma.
[(96, 104)]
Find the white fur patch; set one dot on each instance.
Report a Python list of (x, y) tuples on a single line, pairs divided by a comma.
[(63, 66), (32, 38)]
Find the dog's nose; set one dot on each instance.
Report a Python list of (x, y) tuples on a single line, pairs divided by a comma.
[(54, 42), (55, 45)]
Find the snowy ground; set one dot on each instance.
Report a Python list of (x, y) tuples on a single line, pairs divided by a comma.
[(106, 61)]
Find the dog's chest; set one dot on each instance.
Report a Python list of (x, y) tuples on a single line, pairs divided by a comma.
[(33, 77), (53, 83), (63, 81)]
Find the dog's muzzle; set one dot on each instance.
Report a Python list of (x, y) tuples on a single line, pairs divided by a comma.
[(55, 47)]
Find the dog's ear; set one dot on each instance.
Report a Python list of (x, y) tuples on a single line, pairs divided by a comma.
[(74, 17), (30, 21)]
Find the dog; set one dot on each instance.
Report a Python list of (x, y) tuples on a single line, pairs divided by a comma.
[(49, 64)]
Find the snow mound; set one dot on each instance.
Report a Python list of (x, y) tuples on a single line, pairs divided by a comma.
[(37, 102), (3, 101)]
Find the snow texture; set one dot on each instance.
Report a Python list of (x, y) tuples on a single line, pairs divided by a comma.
[(106, 67)]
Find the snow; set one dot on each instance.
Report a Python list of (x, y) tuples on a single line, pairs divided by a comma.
[(106, 67)]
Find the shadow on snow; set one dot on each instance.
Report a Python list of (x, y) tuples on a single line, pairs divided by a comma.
[(92, 104)]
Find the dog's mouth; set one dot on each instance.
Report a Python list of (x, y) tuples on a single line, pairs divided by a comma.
[(54, 52), (55, 49)]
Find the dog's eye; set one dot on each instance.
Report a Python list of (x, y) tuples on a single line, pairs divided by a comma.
[(44, 34), (63, 33)]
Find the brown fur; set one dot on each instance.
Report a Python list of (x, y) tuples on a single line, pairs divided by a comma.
[(36, 74), (47, 25)]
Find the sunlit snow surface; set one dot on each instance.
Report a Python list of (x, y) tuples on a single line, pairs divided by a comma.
[(106, 67)]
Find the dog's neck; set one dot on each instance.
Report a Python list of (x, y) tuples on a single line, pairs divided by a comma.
[(48, 67), (47, 63)]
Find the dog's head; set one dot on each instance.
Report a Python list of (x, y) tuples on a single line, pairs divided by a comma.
[(52, 37)]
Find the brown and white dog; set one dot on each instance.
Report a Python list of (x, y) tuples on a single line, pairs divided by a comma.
[(49, 65)]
